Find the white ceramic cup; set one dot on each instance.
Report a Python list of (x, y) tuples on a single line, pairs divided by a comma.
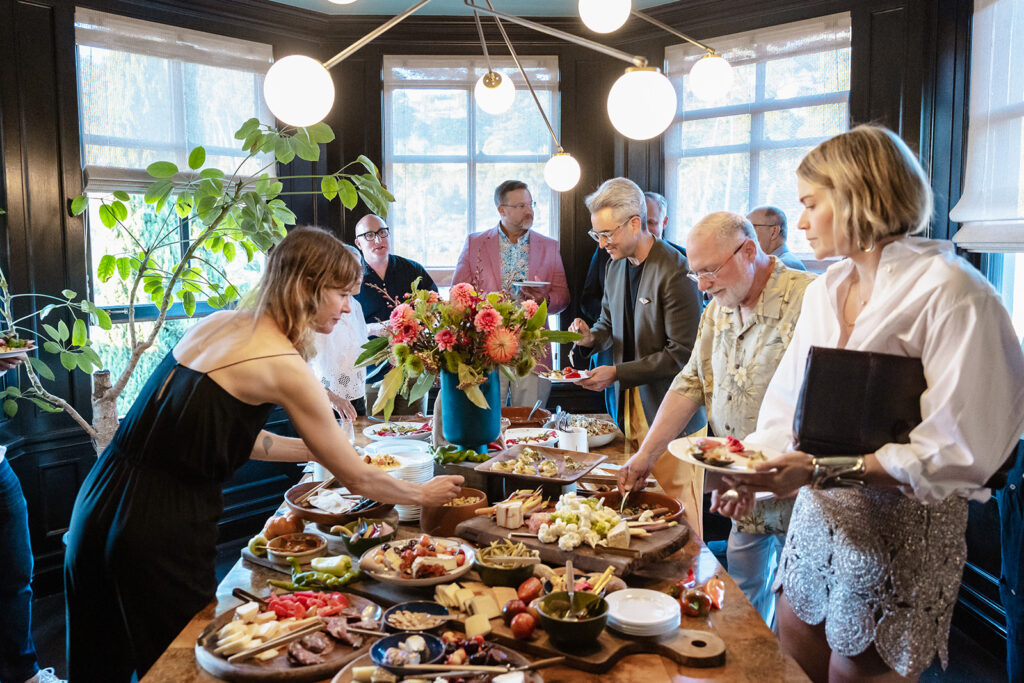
[(574, 439)]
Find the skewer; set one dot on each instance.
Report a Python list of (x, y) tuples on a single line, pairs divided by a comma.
[(482, 669), (276, 642), (367, 631)]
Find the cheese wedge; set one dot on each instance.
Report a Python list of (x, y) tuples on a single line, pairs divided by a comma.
[(477, 625), (509, 515), (502, 594), (446, 562), (485, 605), (247, 612), (464, 596), (618, 537)]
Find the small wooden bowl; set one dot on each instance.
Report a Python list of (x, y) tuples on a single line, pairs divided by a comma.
[(442, 520), (517, 415), (279, 554), (380, 510), (652, 498)]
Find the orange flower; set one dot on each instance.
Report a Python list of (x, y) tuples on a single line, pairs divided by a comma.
[(501, 345)]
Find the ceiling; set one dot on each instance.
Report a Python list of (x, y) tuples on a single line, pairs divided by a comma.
[(523, 8)]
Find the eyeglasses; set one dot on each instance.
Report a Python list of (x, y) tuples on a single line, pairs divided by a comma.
[(607, 234), (765, 225), (374, 235), (520, 207), (710, 276)]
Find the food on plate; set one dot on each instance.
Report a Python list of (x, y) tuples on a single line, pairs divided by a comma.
[(385, 461), (415, 621), (393, 429), (334, 501), (417, 558), (363, 529), (540, 437), (565, 373), (582, 520), (372, 674), (463, 500), (471, 650), (279, 525), (505, 548), (573, 465), (449, 454), (530, 589), (295, 543), (595, 426), (523, 625), (10, 341), (339, 565), (531, 500), (410, 651), (719, 454), (529, 462)]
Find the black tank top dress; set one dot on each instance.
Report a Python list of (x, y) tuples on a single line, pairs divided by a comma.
[(142, 541)]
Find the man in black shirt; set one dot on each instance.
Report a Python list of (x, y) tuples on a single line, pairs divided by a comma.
[(385, 276)]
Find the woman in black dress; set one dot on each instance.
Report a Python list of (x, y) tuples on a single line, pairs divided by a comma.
[(140, 556)]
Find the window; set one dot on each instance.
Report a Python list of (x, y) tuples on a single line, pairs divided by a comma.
[(991, 209), (150, 92), (443, 156), (790, 91)]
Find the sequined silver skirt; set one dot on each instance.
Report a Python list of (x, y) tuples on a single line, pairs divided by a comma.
[(877, 567)]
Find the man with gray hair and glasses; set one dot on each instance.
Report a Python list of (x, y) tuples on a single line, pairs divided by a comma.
[(649, 310), (743, 334), (770, 225)]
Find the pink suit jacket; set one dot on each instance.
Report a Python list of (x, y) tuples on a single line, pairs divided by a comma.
[(480, 265)]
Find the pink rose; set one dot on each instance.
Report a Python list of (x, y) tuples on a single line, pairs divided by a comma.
[(445, 340), (530, 307), (487, 320)]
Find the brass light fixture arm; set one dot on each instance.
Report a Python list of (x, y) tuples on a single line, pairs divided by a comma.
[(372, 35), (666, 27), (526, 78), (483, 41), (635, 60)]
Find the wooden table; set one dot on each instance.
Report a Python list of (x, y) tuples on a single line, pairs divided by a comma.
[(752, 651)]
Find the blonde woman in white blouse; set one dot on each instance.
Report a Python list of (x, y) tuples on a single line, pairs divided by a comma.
[(869, 575), (335, 360)]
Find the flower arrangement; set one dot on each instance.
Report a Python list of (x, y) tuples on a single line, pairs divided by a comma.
[(470, 335)]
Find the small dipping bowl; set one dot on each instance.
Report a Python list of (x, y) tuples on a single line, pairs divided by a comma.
[(363, 544), (567, 634), (302, 546), (426, 606), (434, 652)]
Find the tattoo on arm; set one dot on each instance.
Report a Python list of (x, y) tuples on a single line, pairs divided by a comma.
[(267, 442)]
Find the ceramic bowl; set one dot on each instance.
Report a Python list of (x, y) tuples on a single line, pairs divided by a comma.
[(572, 635), (435, 650), (517, 416), (360, 546), (441, 520), (330, 518), (426, 606), (491, 575), (302, 546)]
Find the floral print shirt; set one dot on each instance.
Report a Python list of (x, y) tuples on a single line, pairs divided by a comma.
[(515, 259), (732, 362)]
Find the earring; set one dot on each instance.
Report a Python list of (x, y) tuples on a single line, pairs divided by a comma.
[(867, 250)]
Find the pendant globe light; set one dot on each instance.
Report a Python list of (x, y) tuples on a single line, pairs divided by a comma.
[(298, 90), (494, 93), (604, 16), (642, 103), (562, 172), (710, 77)]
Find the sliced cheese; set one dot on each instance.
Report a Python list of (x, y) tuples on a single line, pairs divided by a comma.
[(235, 646), (485, 605), (446, 562), (618, 537), (463, 597), (264, 617), (509, 515), (444, 594), (267, 654), (477, 625), (247, 612), (502, 594)]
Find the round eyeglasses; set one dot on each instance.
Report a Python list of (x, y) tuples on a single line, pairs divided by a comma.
[(374, 235)]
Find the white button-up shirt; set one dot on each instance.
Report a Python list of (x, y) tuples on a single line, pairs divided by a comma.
[(930, 304)]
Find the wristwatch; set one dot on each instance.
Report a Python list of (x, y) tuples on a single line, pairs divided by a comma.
[(837, 470)]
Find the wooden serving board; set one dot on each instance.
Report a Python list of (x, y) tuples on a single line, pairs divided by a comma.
[(514, 658), (278, 668), (660, 544)]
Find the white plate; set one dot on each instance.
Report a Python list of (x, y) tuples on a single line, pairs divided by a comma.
[(639, 608), (647, 631), (530, 283), (519, 433), (18, 352), (397, 447), (681, 447), (368, 431), (389, 577), (599, 440), (561, 380)]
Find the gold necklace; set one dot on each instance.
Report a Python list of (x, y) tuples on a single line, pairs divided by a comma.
[(862, 302)]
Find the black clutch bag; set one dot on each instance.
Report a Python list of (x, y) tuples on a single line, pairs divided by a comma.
[(855, 402)]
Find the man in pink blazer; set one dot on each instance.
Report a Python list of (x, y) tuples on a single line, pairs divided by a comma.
[(492, 260)]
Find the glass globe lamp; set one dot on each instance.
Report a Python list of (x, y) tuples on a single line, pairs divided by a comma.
[(642, 103), (298, 90), (710, 77), (562, 172), (494, 93), (604, 16)]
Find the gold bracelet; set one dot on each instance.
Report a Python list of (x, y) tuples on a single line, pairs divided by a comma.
[(837, 470)]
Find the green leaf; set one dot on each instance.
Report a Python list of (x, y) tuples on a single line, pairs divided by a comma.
[(69, 360), (107, 216), (389, 387), (14, 391), (371, 349), (329, 187), (320, 132), (79, 334), (106, 268), (84, 364), (539, 318), (103, 319), (283, 151), (161, 169), (52, 347), (348, 194), (69, 294), (183, 205), (559, 336), (469, 380), (63, 333), (52, 332), (45, 310), (122, 195), (119, 209), (93, 356), (247, 129), (124, 267), (422, 386), (249, 251), (196, 158), (306, 150), (41, 368), (43, 405), (79, 204), (368, 165), (188, 302), (158, 191), (211, 174), (10, 408), (229, 251)]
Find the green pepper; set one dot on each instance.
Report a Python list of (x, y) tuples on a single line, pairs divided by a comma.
[(287, 585), (337, 566), (258, 545)]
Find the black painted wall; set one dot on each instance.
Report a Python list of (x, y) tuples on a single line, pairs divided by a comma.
[(909, 72)]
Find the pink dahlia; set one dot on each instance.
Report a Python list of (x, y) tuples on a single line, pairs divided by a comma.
[(530, 307), (501, 345), (445, 340), (462, 295), (433, 298), (487, 320), (402, 314), (405, 332)]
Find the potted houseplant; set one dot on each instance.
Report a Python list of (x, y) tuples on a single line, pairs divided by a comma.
[(466, 341), (231, 217)]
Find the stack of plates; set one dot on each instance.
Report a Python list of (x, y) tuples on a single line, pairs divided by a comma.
[(418, 468), (640, 612)]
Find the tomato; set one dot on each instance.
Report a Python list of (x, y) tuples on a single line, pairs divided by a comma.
[(460, 558), (523, 625), (530, 589), (425, 541), (511, 609)]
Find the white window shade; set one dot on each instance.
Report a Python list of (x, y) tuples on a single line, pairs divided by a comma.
[(991, 209), (451, 71), (150, 92)]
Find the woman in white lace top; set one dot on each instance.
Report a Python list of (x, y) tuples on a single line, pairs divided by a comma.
[(870, 574), (335, 361)]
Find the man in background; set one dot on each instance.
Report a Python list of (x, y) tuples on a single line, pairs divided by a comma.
[(498, 259), (770, 225)]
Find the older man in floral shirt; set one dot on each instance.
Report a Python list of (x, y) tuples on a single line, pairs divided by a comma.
[(743, 333)]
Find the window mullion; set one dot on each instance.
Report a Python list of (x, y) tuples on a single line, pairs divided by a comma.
[(756, 136), (471, 164)]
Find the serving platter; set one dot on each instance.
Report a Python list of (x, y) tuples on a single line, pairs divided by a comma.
[(11, 353), (514, 658), (367, 564), (530, 436), (587, 462), (683, 447), (278, 668)]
